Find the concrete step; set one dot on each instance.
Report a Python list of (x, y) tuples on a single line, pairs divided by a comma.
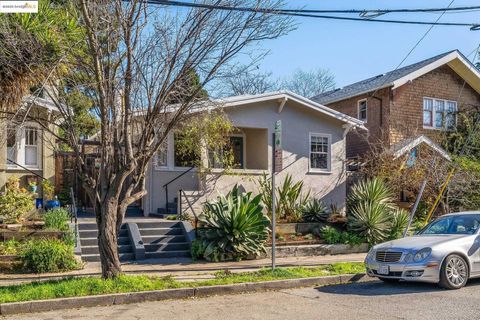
[(94, 249), (160, 231), (167, 254), (158, 224), (94, 241), (162, 239), (94, 233), (166, 247), (84, 226), (96, 257)]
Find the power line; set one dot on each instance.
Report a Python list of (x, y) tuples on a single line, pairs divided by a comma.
[(300, 13)]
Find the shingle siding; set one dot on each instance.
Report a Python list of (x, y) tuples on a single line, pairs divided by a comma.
[(403, 109)]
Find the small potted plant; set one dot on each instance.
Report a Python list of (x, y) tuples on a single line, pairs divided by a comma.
[(51, 201), (33, 184)]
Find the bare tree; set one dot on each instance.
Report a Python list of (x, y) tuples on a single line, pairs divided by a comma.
[(246, 80), (140, 60), (309, 83)]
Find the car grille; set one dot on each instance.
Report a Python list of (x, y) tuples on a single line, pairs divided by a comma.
[(388, 256)]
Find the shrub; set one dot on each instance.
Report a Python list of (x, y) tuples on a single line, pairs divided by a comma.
[(48, 189), (197, 250), (48, 255), (315, 211), (234, 227), (332, 236), (16, 202), (57, 219), (10, 247)]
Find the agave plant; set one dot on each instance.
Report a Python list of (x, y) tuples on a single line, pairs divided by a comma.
[(291, 199), (234, 227), (315, 211)]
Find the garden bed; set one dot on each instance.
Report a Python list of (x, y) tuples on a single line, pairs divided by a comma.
[(30, 234)]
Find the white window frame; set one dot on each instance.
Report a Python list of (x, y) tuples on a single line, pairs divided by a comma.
[(366, 110), (329, 153), (155, 159), (20, 141), (434, 113)]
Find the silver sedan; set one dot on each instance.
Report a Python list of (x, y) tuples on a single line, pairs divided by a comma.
[(446, 252)]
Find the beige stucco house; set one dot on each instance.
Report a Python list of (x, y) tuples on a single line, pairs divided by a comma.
[(27, 151), (313, 143)]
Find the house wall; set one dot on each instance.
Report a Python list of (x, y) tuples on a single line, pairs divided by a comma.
[(407, 101), (256, 153), (47, 158), (297, 123), (403, 109), (359, 141)]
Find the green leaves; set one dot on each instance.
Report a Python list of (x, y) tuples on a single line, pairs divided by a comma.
[(373, 215), (315, 211), (234, 227)]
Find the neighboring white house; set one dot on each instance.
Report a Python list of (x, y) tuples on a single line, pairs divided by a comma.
[(313, 141)]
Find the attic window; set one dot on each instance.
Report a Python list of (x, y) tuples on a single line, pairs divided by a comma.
[(362, 110)]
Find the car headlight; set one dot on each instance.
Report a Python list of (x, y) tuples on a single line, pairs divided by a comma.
[(409, 257), (422, 254), (371, 254)]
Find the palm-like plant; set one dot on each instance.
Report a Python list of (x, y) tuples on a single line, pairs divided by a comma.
[(373, 190), (373, 213), (399, 222), (234, 227), (371, 220)]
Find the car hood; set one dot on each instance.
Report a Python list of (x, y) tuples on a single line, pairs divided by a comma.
[(419, 242)]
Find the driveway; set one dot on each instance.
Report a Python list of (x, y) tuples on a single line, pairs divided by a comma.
[(372, 300)]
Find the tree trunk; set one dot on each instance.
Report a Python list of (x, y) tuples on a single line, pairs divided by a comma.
[(107, 238)]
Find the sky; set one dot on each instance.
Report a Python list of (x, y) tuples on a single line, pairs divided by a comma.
[(353, 51)]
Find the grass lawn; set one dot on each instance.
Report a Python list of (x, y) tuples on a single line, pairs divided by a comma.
[(76, 287)]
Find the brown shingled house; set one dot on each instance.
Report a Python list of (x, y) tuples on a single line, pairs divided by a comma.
[(422, 99)]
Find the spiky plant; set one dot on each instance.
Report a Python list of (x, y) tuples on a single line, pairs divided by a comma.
[(234, 227), (373, 190), (399, 222), (371, 220), (315, 211)]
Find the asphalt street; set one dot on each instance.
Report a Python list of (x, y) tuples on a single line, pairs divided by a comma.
[(372, 300)]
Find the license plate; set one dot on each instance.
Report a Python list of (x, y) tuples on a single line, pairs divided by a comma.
[(385, 270)]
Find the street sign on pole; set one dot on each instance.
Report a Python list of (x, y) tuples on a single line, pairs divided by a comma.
[(277, 164)]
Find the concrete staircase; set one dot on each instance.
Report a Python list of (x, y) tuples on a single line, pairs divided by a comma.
[(163, 239), (89, 244)]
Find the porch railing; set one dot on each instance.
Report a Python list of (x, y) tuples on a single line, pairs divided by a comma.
[(165, 186), (181, 194)]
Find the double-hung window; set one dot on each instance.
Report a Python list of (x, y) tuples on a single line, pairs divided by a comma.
[(320, 152), (439, 113), (23, 146), (362, 110)]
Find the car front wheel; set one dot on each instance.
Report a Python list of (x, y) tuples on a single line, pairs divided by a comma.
[(454, 272)]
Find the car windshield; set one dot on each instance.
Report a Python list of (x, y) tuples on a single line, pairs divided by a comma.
[(457, 224)]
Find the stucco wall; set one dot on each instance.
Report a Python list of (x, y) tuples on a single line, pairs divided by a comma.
[(298, 122)]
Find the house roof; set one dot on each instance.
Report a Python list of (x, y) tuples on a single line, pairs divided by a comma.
[(41, 102), (407, 145), (289, 96), (396, 78)]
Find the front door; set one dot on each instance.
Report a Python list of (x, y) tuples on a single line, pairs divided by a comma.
[(237, 149)]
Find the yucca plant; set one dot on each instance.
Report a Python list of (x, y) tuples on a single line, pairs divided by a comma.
[(315, 211), (234, 227), (373, 190), (370, 219), (291, 199), (399, 222)]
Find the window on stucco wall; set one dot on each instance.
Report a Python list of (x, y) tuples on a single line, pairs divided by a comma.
[(320, 152), (24, 146)]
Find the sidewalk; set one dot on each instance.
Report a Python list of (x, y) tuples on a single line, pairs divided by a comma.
[(184, 269)]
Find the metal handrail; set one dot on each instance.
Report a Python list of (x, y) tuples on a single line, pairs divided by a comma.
[(174, 179), (73, 207), (191, 208)]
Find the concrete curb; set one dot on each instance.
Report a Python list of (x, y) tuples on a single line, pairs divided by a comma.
[(183, 293)]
